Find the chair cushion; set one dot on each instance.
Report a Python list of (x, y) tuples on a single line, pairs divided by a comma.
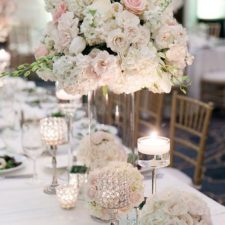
[(178, 174), (216, 76)]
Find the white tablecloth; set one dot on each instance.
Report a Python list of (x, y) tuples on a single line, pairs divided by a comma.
[(206, 60), (23, 204)]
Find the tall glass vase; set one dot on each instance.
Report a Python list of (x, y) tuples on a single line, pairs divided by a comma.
[(116, 114)]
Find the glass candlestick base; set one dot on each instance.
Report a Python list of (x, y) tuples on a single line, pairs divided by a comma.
[(154, 161), (153, 153), (50, 190)]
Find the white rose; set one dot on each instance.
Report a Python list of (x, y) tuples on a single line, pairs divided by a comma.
[(77, 46), (117, 41)]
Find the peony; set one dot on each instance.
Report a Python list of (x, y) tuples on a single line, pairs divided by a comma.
[(135, 6), (78, 44), (41, 51)]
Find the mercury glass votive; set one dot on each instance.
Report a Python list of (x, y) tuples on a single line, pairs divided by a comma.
[(54, 132), (67, 196)]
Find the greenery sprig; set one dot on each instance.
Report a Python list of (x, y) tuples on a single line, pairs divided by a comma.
[(26, 69)]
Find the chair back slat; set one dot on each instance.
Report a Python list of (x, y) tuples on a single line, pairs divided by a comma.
[(192, 117)]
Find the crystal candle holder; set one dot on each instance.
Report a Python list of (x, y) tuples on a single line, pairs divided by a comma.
[(54, 132), (67, 196), (113, 193)]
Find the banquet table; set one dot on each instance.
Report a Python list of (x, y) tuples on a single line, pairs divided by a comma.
[(210, 59), (25, 204)]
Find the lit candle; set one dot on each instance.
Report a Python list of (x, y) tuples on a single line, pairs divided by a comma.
[(153, 145), (67, 196)]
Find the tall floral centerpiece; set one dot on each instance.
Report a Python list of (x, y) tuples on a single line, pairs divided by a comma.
[(126, 45)]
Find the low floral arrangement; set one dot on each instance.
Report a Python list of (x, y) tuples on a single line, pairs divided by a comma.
[(7, 8), (125, 45), (175, 208), (114, 169), (103, 149)]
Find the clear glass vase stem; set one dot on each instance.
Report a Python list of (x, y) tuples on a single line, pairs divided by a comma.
[(154, 181), (132, 127)]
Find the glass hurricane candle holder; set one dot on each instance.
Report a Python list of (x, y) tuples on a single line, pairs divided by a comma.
[(54, 132), (67, 196), (154, 152)]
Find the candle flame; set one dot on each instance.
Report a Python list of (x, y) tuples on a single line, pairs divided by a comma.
[(153, 134)]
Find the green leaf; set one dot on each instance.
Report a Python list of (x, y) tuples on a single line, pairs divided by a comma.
[(27, 73), (79, 169), (92, 12)]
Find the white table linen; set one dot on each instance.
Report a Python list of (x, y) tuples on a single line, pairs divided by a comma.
[(23, 204), (206, 60)]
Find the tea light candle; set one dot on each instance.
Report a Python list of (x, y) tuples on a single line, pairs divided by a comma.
[(153, 145), (67, 196)]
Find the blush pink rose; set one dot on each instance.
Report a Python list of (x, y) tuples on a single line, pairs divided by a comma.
[(135, 6), (41, 51), (59, 12)]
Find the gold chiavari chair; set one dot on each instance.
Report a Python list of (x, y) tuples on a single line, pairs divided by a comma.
[(192, 117), (150, 111)]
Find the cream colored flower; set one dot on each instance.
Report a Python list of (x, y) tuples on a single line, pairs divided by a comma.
[(78, 44), (117, 41)]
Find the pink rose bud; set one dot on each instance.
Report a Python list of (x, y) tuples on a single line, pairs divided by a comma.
[(59, 11), (135, 6), (41, 51)]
